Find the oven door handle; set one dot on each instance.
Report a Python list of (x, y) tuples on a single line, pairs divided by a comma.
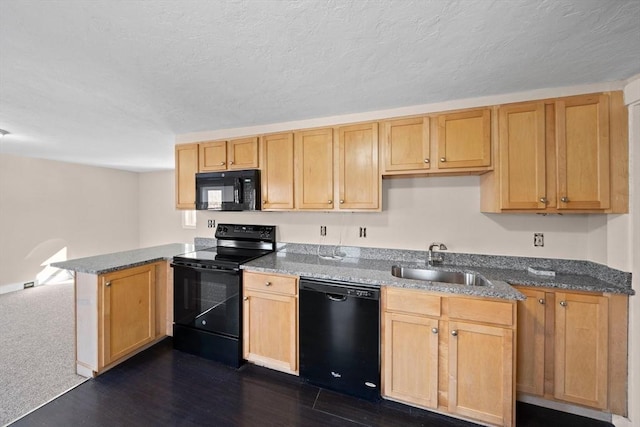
[(210, 270)]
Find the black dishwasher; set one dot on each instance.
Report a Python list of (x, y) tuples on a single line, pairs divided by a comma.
[(340, 336)]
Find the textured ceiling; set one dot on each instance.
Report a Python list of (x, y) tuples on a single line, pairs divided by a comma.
[(112, 82)]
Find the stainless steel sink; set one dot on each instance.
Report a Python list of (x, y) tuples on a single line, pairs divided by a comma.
[(453, 277)]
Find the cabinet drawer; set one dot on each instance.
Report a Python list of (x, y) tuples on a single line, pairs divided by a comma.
[(412, 301), (271, 283), (500, 313)]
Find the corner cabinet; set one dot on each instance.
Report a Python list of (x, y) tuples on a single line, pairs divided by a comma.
[(119, 314), (560, 155), (186, 169), (270, 321), (432, 345), (572, 348)]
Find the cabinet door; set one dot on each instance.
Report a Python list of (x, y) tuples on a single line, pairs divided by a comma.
[(242, 153), (481, 372), (277, 172), (313, 150), (464, 139), (582, 139), (270, 326), (358, 165), (530, 347), (186, 169), (522, 156), (213, 156), (406, 144), (581, 349), (410, 363), (127, 312)]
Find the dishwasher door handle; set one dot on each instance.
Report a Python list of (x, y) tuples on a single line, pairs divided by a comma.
[(336, 297)]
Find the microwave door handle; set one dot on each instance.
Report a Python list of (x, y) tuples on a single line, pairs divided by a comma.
[(238, 196)]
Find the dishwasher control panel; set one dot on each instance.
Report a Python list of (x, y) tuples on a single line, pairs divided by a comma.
[(360, 293)]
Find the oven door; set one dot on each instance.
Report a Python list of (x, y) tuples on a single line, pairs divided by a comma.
[(207, 299)]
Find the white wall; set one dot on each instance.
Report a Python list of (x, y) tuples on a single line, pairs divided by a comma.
[(624, 249), (416, 212), (46, 206)]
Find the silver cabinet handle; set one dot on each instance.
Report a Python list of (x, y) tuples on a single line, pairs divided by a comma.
[(268, 284), (563, 303), (341, 201), (221, 163), (426, 160), (541, 301), (330, 201), (434, 330), (231, 162), (564, 199), (443, 159), (454, 333), (543, 200), (246, 298), (108, 283)]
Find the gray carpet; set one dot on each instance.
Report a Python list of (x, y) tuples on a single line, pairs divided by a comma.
[(37, 360)]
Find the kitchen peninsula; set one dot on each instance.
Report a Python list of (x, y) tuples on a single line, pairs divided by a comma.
[(123, 304)]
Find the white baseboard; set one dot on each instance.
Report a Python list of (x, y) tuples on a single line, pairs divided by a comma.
[(12, 287)]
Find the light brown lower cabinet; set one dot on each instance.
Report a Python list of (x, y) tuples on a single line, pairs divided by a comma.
[(572, 348), (118, 314), (270, 321), (411, 359), (449, 353)]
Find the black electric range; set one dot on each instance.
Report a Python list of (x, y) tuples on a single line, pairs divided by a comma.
[(207, 304)]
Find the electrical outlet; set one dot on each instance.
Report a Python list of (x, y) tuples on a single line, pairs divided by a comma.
[(28, 285), (211, 223), (363, 232), (323, 230), (538, 239)]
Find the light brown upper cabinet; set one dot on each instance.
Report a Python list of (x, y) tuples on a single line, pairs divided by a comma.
[(405, 145), (582, 138), (277, 171), (314, 169), (556, 155), (335, 172), (464, 139), (522, 156), (359, 177), (228, 155), (186, 169)]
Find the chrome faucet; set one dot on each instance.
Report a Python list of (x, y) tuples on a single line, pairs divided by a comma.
[(434, 257)]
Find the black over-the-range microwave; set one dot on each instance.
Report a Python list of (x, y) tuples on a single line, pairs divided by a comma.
[(228, 191)]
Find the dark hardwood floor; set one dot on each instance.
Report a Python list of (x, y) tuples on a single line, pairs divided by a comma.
[(165, 387)]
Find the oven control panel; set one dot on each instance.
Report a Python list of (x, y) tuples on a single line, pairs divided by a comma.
[(253, 232)]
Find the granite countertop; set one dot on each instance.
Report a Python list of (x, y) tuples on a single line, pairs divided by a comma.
[(373, 266), (107, 263)]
